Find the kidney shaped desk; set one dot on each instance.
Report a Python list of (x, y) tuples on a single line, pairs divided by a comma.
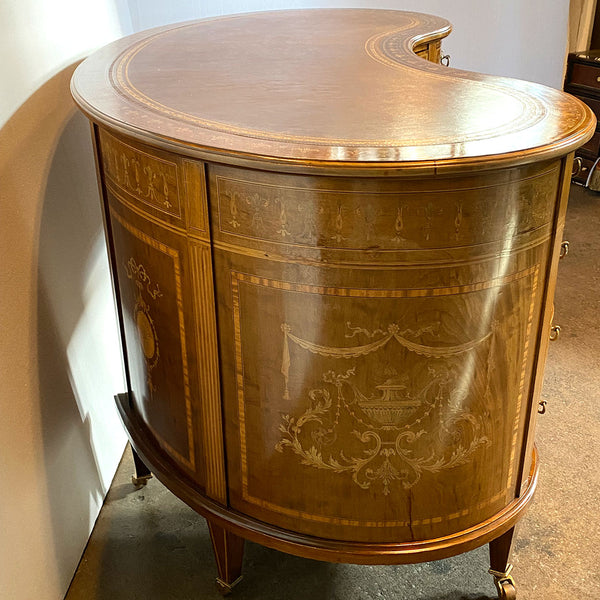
[(334, 261)]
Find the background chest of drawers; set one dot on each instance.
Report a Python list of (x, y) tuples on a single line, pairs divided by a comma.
[(583, 81)]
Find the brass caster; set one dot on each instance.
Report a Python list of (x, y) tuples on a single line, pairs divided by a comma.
[(140, 481), (226, 588), (506, 590), (505, 584)]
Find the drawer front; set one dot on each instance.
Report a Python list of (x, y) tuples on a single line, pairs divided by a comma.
[(431, 52), (421, 50), (587, 75)]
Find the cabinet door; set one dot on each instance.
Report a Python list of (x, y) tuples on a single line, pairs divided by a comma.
[(377, 340), (162, 265)]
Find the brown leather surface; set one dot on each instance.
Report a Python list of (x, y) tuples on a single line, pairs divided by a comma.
[(322, 85)]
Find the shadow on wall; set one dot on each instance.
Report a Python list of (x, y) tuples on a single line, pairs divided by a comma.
[(77, 343), (57, 264)]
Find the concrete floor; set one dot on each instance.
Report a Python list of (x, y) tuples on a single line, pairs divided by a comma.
[(149, 545)]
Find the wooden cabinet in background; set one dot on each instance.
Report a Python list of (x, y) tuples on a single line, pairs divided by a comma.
[(334, 261), (583, 80)]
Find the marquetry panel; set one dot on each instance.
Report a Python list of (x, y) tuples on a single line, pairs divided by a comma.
[(174, 369), (152, 180), (161, 186), (152, 272), (366, 408), (381, 403), (379, 221)]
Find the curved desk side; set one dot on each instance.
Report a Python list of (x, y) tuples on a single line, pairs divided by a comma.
[(341, 358)]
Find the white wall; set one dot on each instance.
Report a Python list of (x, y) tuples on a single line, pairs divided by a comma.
[(59, 364), (515, 38), (60, 439)]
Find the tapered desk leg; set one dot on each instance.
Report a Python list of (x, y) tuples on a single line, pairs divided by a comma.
[(500, 550), (142, 472), (229, 554)]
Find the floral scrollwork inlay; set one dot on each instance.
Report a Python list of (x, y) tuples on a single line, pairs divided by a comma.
[(398, 432), (142, 314)]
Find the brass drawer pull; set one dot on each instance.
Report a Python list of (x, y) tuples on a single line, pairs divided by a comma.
[(445, 60), (564, 249), (577, 164), (554, 332)]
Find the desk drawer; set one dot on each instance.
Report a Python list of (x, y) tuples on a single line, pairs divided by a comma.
[(588, 75)]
